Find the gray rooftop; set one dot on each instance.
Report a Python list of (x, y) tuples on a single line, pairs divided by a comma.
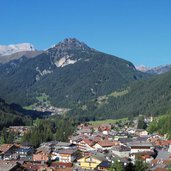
[(141, 144), (7, 165), (163, 154)]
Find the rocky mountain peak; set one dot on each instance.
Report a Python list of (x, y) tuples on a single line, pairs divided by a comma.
[(142, 68), (68, 51), (71, 43)]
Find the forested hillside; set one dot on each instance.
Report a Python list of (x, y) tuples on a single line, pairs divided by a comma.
[(52, 128), (69, 73), (9, 117), (149, 97), (161, 125)]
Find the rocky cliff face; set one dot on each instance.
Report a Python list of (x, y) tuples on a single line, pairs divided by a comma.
[(63, 53)]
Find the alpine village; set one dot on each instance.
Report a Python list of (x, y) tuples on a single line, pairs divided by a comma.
[(80, 109)]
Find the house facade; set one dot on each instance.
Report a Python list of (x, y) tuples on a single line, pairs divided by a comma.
[(67, 156), (86, 145), (89, 162), (7, 151), (121, 151), (141, 147)]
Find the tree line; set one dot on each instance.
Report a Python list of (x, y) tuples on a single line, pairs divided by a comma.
[(53, 128)]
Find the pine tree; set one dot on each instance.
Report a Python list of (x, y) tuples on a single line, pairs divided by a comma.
[(130, 167), (117, 166), (140, 165)]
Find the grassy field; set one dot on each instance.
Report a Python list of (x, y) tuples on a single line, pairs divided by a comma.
[(107, 121), (119, 93), (42, 99), (29, 107)]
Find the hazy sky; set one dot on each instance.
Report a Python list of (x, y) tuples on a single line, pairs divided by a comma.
[(136, 30)]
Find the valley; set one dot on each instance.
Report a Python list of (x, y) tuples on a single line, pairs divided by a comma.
[(85, 85), (76, 99)]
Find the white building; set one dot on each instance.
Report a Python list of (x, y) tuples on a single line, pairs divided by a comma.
[(121, 151), (137, 147)]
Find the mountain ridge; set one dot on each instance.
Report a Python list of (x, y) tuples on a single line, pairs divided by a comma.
[(145, 97), (18, 55), (154, 70), (13, 48), (61, 71), (16, 51)]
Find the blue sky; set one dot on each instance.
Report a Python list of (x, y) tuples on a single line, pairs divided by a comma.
[(136, 30)]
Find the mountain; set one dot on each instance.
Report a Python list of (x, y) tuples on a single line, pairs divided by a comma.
[(69, 73), (145, 97), (18, 55), (10, 49), (160, 69), (143, 68), (13, 52), (155, 70), (9, 116)]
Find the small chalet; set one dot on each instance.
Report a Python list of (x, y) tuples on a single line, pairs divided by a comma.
[(25, 153), (7, 151), (145, 156), (141, 132), (86, 145), (65, 155), (91, 162), (42, 154)]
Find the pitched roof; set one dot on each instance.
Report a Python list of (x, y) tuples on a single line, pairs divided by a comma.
[(165, 142), (121, 148), (46, 150), (160, 169), (140, 144), (7, 165), (99, 156), (143, 154), (97, 138), (5, 147), (67, 151), (107, 143), (163, 154), (32, 166), (89, 141)]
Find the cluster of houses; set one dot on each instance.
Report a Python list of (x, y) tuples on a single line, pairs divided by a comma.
[(90, 148), (20, 130), (43, 107)]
